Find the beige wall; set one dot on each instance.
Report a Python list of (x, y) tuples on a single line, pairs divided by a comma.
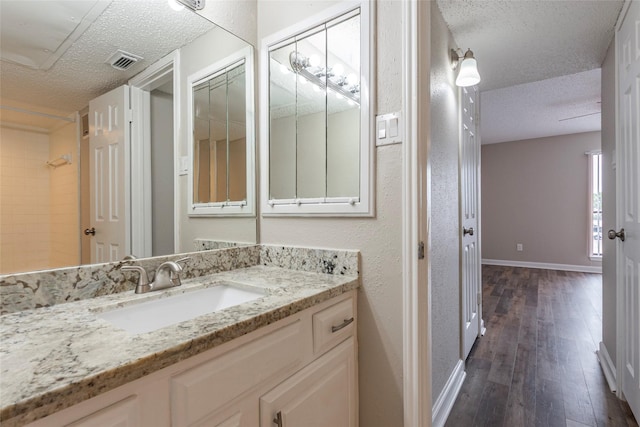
[(379, 238), (445, 227), (199, 54), (609, 203), (162, 209), (535, 192), (65, 215), (24, 201)]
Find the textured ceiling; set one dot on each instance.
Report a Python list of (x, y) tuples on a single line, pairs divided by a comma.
[(558, 106), (148, 28), (519, 42), (539, 61)]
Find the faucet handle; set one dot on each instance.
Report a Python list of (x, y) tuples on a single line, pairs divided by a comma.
[(185, 259), (143, 281)]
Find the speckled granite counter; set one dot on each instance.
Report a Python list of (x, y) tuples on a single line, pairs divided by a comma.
[(54, 357)]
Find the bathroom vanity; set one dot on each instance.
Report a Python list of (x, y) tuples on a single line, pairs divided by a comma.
[(286, 358)]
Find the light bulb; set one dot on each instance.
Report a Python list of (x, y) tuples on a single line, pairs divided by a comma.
[(468, 75), (316, 88), (337, 70), (314, 61), (352, 79), (283, 69), (175, 5)]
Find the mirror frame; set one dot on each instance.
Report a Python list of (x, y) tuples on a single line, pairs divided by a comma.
[(232, 208), (327, 206)]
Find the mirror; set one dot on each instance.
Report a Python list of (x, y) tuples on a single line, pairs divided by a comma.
[(221, 151), (318, 117), (54, 60)]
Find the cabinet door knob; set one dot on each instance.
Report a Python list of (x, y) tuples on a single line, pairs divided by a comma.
[(90, 231), (468, 231), (278, 419)]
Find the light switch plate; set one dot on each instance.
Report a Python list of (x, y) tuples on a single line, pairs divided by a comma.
[(184, 165), (389, 129)]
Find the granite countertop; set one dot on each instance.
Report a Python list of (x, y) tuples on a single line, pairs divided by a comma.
[(54, 357)]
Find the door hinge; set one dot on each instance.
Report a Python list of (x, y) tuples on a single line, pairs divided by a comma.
[(421, 250)]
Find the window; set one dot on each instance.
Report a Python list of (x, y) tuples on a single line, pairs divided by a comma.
[(595, 211)]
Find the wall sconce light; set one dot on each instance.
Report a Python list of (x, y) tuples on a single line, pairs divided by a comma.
[(468, 75)]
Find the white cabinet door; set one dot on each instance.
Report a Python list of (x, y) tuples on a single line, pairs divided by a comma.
[(125, 413), (628, 205), (322, 394), (108, 165)]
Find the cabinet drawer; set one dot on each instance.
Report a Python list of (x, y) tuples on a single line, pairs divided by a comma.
[(204, 389), (332, 325)]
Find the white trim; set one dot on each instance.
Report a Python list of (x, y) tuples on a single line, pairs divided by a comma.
[(233, 208), (449, 394), (607, 366), (416, 196), (544, 265), (364, 204)]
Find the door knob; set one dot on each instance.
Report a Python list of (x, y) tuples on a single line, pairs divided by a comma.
[(620, 234), (90, 231), (468, 231)]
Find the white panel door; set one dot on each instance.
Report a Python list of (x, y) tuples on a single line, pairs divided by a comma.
[(109, 157), (471, 275), (628, 205)]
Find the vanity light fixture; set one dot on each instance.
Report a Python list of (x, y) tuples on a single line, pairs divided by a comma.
[(193, 4), (309, 68), (468, 74)]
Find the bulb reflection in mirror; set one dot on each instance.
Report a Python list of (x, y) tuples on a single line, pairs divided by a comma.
[(175, 5)]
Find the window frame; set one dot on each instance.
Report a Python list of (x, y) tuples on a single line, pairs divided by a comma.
[(590, 192)]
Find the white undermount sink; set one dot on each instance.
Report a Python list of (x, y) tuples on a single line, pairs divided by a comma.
[(150, 315)]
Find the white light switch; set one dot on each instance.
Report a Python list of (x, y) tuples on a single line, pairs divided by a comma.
[(393, 127), (184, 165), (382, 129), (389, 127)]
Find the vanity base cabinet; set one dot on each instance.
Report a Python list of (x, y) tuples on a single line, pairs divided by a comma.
[(322, 394), (304, 366)]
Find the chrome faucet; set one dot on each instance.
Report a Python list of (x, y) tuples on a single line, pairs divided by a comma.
[(167, 276)]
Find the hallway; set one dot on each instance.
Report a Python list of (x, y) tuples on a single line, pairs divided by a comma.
[(536, 365)]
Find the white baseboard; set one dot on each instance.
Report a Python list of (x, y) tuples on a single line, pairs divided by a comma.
[(448, 396), (608, 367), (544, 265)]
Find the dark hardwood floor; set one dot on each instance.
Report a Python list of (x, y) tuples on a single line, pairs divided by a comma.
[(536, 364)]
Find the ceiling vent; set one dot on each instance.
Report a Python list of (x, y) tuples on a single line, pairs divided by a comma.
[(122, 60), (193, 4)]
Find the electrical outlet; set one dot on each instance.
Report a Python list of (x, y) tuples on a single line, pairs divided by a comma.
[(519, 247)]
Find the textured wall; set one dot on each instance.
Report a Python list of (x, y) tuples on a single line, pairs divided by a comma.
[(379, 238), (609, 202), (65, 215), (535, 192), (24, 201), (237, 16), (445, 223), (197, 55)]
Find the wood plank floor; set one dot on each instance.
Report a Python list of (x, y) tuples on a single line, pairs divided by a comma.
[(536, 364)]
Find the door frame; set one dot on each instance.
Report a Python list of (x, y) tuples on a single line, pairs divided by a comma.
[(416, 214), (141, 214)]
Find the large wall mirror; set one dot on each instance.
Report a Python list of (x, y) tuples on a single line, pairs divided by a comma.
[(56, 57), (221, 153), (316, 122)]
